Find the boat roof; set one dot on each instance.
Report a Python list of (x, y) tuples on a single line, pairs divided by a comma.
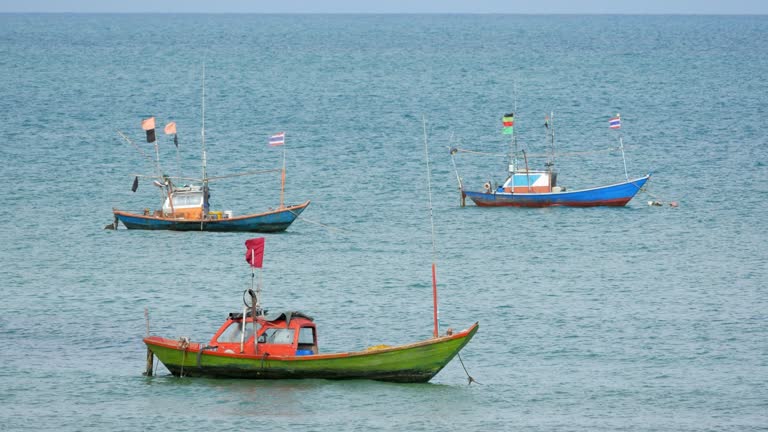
[(187, 189), (279, 316)]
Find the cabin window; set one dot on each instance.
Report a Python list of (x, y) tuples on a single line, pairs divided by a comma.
[(306, 344), (279, 336), (306, 336), (188, 200), (234, 333)]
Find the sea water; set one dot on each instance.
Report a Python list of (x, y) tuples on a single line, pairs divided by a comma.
[(636, 318)]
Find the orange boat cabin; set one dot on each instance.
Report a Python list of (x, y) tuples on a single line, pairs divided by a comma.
[(288, 334), (184, 203)]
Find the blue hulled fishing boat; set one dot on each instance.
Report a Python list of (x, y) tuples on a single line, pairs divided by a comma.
[(187, 207), (525, 187)]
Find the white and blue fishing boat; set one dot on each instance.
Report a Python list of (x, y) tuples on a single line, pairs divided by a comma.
[(185, 210), (187, 207), (525, 187)]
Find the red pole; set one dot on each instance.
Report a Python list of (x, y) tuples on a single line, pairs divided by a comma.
[(434, 295)]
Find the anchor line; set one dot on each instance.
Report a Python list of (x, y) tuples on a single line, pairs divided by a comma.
[(183, 345), (658, 200), (470, 380)]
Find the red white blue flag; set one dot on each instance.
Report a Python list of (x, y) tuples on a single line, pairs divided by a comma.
[(277, 139), (615, 122)]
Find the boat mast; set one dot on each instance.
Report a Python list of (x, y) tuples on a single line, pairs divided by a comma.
[(435, 314), (202, 129), (205, 174)]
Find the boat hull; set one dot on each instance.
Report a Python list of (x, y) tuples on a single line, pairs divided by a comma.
[(417, 362), (272, 221), (615, 195)]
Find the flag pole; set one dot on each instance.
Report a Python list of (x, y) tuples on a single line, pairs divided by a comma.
[(257, 300), (157, 162), (513, 144), (258, 291), (178, 153), (157, 155), (621, 146), (435, 313)]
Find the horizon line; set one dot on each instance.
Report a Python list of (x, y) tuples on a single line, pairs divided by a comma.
[(382, 13)]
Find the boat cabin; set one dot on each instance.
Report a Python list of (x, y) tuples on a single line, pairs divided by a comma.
[(287, 334), (187, 203), (530, 181)]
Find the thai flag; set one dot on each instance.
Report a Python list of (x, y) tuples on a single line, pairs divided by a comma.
[(277, 139), (614, 123)]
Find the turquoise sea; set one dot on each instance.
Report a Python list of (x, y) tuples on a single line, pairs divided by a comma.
[(604, 319)]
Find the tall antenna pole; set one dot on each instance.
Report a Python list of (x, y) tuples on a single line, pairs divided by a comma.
[(436, 314)]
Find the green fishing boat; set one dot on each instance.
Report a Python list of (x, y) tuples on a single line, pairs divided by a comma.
[(252, 344)]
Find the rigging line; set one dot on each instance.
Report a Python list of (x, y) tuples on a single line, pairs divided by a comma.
[(130, 141), (244, 174), (609, 150), (480, 153)]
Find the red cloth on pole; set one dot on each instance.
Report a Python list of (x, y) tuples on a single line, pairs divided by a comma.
[(255, 251)]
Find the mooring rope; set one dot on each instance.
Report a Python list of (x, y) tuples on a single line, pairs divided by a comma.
[(183, 345), (470, 380), (657, 200)]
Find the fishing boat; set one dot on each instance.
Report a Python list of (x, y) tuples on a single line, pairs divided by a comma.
[(255, 345), (186, 207), (525, 187)]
